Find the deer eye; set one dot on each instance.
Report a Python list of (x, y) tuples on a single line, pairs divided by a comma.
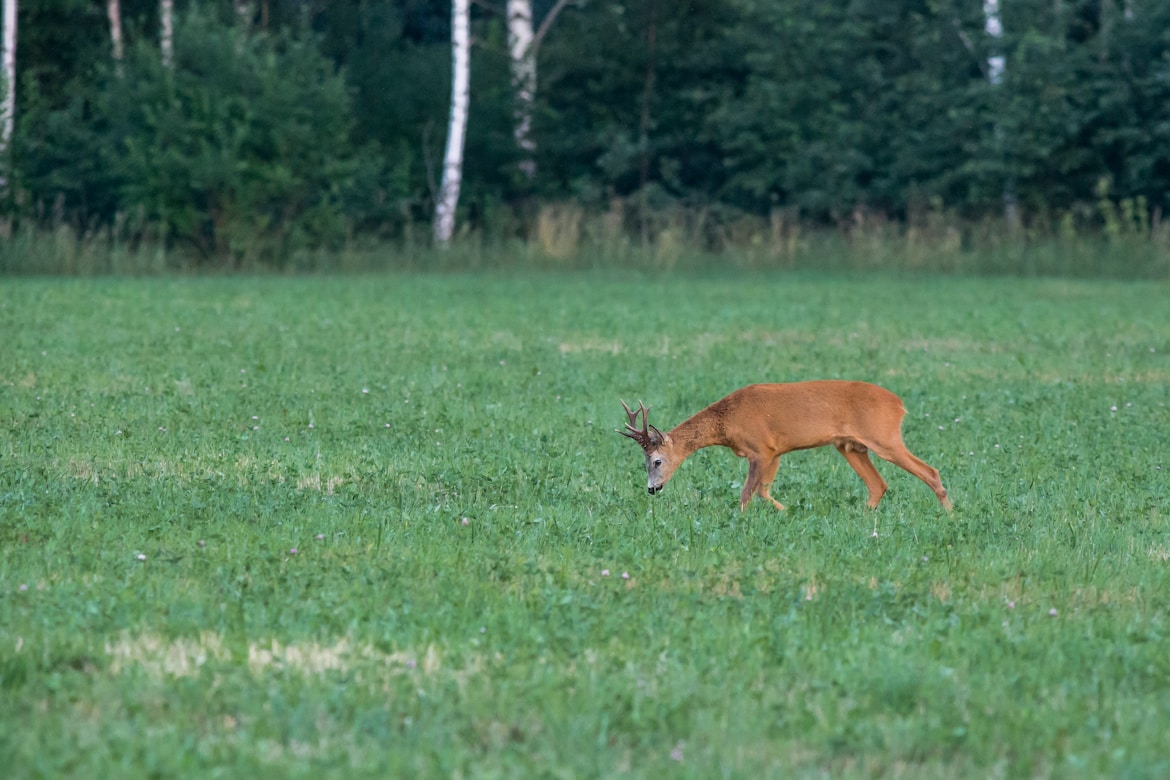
[(658, 461)]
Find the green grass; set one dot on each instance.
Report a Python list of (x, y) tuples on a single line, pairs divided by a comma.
[(439, 450)]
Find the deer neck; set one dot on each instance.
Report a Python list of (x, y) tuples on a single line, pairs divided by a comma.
[(705, 429)]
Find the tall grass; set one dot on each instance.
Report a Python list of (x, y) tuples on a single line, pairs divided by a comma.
[(380, 525), (1116, 240)]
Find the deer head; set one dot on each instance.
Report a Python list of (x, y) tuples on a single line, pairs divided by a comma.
[(660, 460)]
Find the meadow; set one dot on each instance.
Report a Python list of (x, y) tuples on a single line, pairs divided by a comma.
[(380, 525)]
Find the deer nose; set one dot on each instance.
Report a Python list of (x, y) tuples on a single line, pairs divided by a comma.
[(652, 489)]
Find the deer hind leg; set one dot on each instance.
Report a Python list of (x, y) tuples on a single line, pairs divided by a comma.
[(858, 458), (897, 454)]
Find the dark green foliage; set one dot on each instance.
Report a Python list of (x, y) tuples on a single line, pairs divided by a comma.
[(895, 106), (628, 88), (237, 147), (243, 150)]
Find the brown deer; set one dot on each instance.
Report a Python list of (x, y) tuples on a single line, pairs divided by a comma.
[(763, 422)]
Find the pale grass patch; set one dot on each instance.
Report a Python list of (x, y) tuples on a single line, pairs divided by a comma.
[(1160, 553), (367, 666), (160, 657), (955, 346), (1088, 377), (83, 470), (705, 342), (766, 577), (591, 344), (314, 482), (941, 591), (662, 349), (185, 656), (93, 471), (506, 340), (726, 587), (125, 383), (1094, 596), (1148, 377), (773, 338), (1013, 592), (247, 467)]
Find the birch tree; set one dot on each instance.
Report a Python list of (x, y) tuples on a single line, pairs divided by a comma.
[(117, 45), (457, 125), (523, 54), (166, 31), (993, 26), (996, 66), (8, 106), (523, 44)]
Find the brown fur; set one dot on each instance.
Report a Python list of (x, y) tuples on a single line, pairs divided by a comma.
[(763, 422)]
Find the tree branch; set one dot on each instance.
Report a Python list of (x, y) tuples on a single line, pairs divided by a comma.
[(969, 45), (549, 18)]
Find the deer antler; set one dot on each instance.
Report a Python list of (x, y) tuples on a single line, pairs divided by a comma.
[(648, 436)]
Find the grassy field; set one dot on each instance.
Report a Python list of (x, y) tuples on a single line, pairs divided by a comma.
[(381, 526)]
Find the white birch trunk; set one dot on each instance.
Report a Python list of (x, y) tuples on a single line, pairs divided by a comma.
[(523, 56), (8, 106), (523, 45), (114, 13), (245, 11), (993, 25), (457, 126), (996, 66), (166, 31)]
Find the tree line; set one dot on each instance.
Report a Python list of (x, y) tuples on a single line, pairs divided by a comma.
[(253, 128)]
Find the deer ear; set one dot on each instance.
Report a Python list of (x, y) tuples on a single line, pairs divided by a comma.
[(657, 437)]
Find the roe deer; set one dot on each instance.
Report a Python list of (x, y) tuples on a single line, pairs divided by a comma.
[(763, 422)]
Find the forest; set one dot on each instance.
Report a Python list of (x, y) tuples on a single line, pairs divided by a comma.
[(267, 128)]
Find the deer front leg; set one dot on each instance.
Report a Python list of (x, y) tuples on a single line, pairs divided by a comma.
[(761, 472), (751, 483), (767, 474)]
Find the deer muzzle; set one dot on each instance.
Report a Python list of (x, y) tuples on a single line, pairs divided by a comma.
[(654, 489)]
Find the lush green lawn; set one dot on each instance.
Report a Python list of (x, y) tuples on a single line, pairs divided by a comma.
[(381, 526)]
